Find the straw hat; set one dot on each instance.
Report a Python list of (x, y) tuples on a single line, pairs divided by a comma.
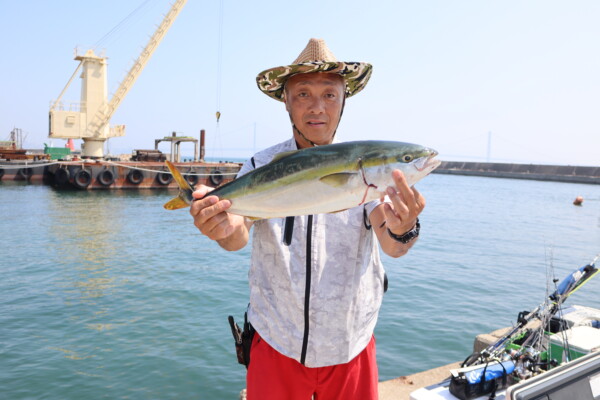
[(316, 57)]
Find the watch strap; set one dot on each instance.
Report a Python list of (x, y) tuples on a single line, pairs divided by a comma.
[(408, 236)]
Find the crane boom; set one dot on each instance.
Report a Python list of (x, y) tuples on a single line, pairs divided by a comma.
[(104, 113)]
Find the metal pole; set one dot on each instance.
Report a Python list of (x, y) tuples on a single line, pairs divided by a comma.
[(202, 148), (173, 147), (489, 146)]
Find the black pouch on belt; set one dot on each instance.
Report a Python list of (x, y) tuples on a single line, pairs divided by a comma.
[(243, 340)]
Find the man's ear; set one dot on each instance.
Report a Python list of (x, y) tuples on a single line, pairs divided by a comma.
[(285, 101)]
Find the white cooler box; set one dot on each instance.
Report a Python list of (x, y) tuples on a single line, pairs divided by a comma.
[(581, 340)]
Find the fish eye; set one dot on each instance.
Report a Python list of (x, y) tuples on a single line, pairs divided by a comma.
[(407, 158)]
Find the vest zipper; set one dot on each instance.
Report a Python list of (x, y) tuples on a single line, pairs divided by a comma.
[(307, 287)]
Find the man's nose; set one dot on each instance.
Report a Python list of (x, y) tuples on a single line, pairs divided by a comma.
[(316, 105)]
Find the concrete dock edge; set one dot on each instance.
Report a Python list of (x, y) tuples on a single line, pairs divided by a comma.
[(539, 172)]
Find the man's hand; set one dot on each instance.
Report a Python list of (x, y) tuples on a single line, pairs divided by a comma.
[(399, 216), (212, 219), (407, 203)]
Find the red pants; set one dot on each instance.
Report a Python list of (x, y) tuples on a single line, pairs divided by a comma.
[(273, 376)]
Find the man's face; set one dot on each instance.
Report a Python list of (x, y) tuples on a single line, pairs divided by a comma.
[(314, 102)]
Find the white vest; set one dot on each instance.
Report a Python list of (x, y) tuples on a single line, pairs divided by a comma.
[(337, 319)]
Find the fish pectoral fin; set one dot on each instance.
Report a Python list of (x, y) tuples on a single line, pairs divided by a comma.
[(338, 179), (279, 156), (176, 204)]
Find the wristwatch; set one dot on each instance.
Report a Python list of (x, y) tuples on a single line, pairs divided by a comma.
[(408, 236)]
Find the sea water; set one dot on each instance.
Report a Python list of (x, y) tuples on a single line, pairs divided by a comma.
[(106, 295)]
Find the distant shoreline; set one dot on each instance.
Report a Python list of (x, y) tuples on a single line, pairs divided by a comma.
[(538, 172)]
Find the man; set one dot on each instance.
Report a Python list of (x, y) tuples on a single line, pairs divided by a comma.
[(316, 282)]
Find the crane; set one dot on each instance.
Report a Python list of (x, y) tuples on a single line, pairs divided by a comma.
[(90, 119)]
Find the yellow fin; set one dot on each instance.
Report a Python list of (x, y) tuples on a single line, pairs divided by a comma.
[(279, 156), (337, 180), (183, 184), (176, 203)]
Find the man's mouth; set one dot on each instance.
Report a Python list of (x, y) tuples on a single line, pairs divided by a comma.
[(315, 123)]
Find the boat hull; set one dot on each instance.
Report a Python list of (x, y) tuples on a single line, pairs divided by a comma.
[(103, 175)]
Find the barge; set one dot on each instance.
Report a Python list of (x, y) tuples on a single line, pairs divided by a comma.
[(144, 169)]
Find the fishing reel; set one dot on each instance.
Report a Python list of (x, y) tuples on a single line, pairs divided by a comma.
[(527, 362)]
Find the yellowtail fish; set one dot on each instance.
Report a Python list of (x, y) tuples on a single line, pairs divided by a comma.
[(318, 180)]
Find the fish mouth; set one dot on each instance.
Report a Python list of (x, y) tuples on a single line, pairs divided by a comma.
[(428, 162)]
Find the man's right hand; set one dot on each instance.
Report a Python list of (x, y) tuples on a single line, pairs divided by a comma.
[(212, 219)]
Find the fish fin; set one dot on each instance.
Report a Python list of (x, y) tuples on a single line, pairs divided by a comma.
[(338, 179), (183, 184), (184, 187), (279, 156), (176, 203)]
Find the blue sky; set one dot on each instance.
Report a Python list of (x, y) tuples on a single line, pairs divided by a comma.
[(446, 73)]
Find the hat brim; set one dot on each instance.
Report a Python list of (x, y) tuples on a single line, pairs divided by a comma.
[(356, 75)]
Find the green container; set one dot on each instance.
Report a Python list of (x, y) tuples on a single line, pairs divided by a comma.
[(57, 152)]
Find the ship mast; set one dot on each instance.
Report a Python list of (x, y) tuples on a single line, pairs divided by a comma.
[(90, 121)]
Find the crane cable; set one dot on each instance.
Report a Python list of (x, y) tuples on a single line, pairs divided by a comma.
[(219, 61), (120, 25), (217, 145)]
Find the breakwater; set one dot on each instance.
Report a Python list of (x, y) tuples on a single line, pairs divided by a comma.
[(539, 172)]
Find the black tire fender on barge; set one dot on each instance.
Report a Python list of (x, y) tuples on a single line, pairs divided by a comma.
[(25, 173), (135, 177), (106, 177), (216, 177), (1, 173), (164, 177), (190, 178), (82, 179), (61, 177)]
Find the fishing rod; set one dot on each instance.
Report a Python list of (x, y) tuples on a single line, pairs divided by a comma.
[(566, 288)]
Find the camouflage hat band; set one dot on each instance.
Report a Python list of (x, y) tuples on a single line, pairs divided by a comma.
[(316, 57)]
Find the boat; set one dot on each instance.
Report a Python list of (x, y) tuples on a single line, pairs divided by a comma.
[(553, 352), (19, 164)]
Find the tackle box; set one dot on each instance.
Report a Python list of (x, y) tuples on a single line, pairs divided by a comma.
[(579, 341)]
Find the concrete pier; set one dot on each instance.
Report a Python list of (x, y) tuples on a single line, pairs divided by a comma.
[(540, 172), (401, 388)]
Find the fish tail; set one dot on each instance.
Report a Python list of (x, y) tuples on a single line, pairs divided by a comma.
[(183, 199)]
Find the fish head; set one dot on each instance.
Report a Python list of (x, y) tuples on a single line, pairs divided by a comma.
[(422, 159), (415, 162)]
